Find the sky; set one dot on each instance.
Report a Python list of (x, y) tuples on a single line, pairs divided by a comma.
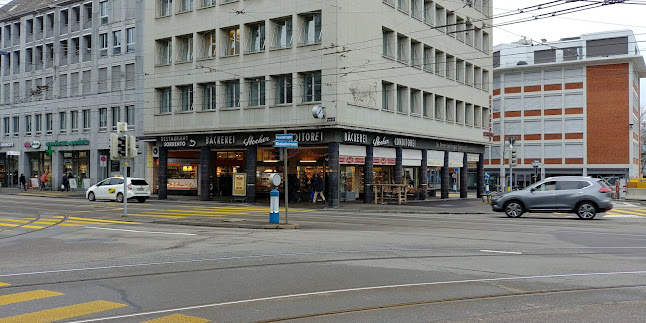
[(605, 18)]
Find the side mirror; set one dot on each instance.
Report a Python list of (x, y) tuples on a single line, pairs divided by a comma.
[(532, 189)]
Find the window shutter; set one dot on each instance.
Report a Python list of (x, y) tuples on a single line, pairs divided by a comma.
[(552, 77), (116, 78), (130, 76), (496, 105), (553, 151), (553, 126), (574, 125), (532, 127), (532, 151), (553, 101), (532, 103), (532, 78), (513, 80), (513, 104), (574, 100), (574, 75), (574, 150)]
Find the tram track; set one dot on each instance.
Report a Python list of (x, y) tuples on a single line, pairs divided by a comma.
[(34, 221)]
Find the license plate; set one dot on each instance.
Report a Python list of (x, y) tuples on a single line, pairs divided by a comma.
[(140, 189)]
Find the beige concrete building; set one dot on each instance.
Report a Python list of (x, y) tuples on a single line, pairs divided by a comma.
[(401, 87)]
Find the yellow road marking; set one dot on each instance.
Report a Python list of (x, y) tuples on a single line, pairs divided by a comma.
[(4, 284), (206, 211), (178, 318), (62, 313), (26, 296), (98, 220), (16, 225), (629, 212), (250, 209), (159, 216), (179, 215)]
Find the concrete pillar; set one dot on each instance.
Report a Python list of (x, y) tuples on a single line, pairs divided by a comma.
[(252, 164), (480, 176), (205, 173), (57, 169), (446, 180), (162, 174), (368, 169), (464, 172), (423, 175), (335, 168), (94, 163), (399, 171)]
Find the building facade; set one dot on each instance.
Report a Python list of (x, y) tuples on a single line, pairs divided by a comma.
[(398, 93), (572, 104), (68, 75)]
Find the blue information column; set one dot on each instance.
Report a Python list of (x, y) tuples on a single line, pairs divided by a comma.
[(274, 200)]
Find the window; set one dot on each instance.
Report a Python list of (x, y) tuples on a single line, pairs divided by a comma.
[(86, 120), (103, 45), (402, 5), (164, 48), (415, 57), (401, 99), (232, 94), (185, 44), (16, 126), (208, 3), (283, 89), (130, 76), (311, 32), (116, 42), (103, 119), (165, 8), (428, 12), (49, 123), (388, 49), (208, 96), (27, 126), (5, 126), (130, 40), (75, 121), (130, 116), (185, 5), (208, 44), (38, 124), (186, 97), (415, 97), (415, 8), (428, 59), (312, 87), (62, 122), (387, 96), (233, 42), (116, 117), (256, 38), (103, 12), (257, 92), (164, 100), (283, 33), (402, 49)]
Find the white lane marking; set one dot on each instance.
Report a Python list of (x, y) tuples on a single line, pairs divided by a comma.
[(295, 254), (347, 290), (621, 216), (138, 231), (506, 252)]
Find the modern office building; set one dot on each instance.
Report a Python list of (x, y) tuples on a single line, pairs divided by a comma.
[(373, 91), (67, 76), (573, 105)]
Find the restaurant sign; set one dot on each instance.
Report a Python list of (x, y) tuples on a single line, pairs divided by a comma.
[(178, 141)]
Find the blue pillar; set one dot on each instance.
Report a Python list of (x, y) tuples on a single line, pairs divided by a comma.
[(464, 171), (446, 180), (368, 170), (399, 171), (252, 163), (162, 174), (423, 175), (205, 172), (333, 176)]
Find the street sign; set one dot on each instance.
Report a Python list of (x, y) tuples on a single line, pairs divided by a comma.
[(286, 144), (487, 175), (284, 137), (103, 160)]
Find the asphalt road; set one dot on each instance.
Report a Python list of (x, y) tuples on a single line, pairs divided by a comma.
[(72, 260)]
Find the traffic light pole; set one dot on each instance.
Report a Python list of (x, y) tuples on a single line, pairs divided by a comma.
[(125, 188), (511, 174)]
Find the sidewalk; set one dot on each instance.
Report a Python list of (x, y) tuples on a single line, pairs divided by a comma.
[(453, 205)]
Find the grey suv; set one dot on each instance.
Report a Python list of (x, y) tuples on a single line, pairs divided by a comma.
[(584, 196)]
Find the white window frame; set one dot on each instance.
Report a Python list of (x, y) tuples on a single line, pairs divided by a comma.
[(312, 86), (27, 125), (130, 116), (103, 45), (115, 116), (49, 123), (165, 8), (209, 101), (257, 95), (103, 119), (104, 12), (232, 41), (283, 33), (116, 42), (284, 93), (164, 51), (62, 122), (130, 40), (232, 94), (186, 6), (312, 29), (209, 44), (186, 98), (74, 117), (165, 100), (184, 48), (256, 38)]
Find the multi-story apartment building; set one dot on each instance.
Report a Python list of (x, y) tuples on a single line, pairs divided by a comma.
[(373, 91), (67, 76), (572, 104)]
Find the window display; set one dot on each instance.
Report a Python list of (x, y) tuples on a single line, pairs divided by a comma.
[(182, 174)]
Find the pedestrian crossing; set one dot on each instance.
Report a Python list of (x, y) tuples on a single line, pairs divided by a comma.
[(70, 311), (626, 213), (216, 211), (7, 224)]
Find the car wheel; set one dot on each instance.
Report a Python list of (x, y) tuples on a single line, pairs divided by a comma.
[(120, 198), (586, 211), (514, 209), (141, 200), (91, 197)]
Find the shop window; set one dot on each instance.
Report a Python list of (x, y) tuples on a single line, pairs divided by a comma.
[(182, 174)]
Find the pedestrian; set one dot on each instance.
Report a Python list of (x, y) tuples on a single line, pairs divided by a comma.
[(23, 183), (66, 183), (43, 181), (318, 188)]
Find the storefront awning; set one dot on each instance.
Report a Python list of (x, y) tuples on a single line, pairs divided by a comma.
[(352, 155), (435, 158), (384, 156), (473, 158), (456, 159), (411, 157)]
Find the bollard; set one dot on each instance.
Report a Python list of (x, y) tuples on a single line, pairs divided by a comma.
[(274, 216), (487, 189), (455, 187)]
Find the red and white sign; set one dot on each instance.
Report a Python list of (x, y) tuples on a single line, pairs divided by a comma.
[(103, 160), (384, 161), (352, 160)]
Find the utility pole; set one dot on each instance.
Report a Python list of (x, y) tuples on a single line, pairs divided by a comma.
[(512, 161)]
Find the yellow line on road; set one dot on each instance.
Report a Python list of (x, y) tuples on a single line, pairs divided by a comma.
[(4, 284), (24, 226), (180, 215), (206, 211), (26, 296), (98, 220), (178, 318), (159, 216), (629, 212), (62, 313)]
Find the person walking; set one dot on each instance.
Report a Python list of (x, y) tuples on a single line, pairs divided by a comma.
[(43, 180), (318, 188), (23, 183), (66, 183)]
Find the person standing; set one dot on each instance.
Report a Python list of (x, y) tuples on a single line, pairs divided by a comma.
[(43, 180), (23, 183), (66, 183), (318, 188)]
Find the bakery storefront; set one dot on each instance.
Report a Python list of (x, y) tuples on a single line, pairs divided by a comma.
[(349, 162)]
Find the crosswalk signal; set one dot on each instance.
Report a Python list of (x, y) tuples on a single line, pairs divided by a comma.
[(514, 160), (122, 147)]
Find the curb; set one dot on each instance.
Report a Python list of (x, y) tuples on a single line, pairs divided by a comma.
[(242, 224)]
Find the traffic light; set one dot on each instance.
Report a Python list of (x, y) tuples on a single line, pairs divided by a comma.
[(122, 147), (514, 160), (114, 148), (132, 147)]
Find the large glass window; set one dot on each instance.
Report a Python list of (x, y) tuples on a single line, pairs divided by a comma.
[(164, 100), (284, 89), (283, 33), (186, 97), (312, 86), (208, 96), (312, 27), (257, 92), (232, 90)]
